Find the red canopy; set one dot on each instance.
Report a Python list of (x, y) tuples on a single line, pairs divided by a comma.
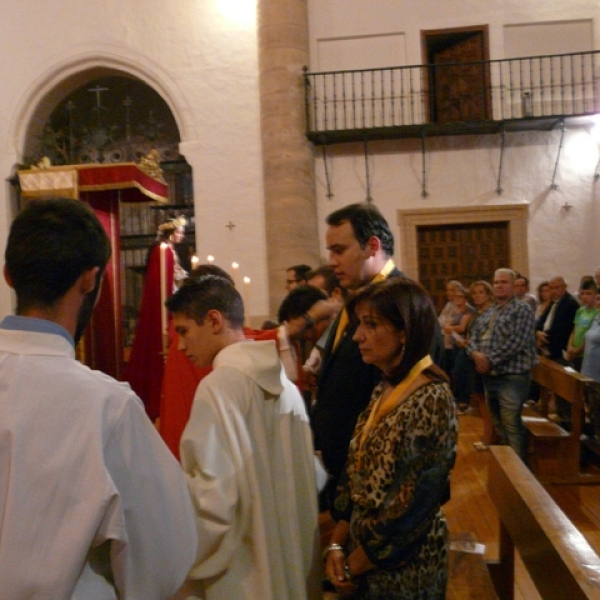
[(103, 187)]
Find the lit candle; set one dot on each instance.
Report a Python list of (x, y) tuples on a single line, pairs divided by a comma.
[(195, 260), (163, 294), (235, 268), (246, 298), (211, 259)]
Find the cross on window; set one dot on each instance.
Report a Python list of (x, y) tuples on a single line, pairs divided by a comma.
[(98, 90)]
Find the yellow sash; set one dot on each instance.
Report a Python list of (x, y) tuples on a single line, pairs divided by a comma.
[(380, 409), (343, 322)]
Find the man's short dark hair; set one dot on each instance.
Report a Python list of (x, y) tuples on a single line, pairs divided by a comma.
[(209, 269), (51, 244), (366, 221), (519, 276), (300, 271), (198, 295), (328, 275), (588, 283), (299, 301)]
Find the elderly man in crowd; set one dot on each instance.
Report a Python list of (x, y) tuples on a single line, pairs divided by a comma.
[(502, 346), (555, 325)]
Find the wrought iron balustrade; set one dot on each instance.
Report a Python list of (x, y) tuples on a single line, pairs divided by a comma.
[(451, 97)]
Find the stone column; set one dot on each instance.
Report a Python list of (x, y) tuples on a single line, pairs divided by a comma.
[(288, 163)]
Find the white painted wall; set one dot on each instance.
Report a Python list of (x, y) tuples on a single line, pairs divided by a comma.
[(463, 171), (203, 60), (201, 55)]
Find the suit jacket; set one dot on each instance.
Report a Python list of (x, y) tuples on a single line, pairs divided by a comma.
[(562, 325), (344, 390)]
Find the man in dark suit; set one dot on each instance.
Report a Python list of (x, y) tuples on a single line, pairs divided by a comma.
[(360, 246), (554, 326)]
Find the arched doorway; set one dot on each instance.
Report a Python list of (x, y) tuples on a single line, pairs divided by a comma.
[(106, 116)]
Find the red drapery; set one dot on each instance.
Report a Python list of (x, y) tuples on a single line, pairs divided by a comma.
[(103, 187)]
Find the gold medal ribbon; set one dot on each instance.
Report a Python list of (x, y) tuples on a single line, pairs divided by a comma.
[(380, 409), (343, 322)]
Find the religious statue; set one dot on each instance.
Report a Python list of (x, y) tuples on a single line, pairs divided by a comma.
[(164, 275)]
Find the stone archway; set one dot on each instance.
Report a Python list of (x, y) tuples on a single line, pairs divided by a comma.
[(138, 222), (67, 75)]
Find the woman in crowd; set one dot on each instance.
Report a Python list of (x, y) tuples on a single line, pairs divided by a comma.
[(456, 328), (544, 299), (390, 537), (448, 314), (481, 294), (590, 367)]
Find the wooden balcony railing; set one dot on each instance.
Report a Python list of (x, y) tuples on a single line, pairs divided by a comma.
[(468, 97)]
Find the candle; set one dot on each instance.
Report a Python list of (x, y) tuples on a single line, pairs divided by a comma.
[(210, 258), (246, 298), (163, 294), (235, 268), (195, 260)]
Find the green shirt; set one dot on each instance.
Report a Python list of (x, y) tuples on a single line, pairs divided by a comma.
[(583, 320)]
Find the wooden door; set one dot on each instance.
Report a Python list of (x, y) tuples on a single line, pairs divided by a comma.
[(458, 92), (466, 252)]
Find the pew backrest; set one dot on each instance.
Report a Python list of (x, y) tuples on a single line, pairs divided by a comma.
[(559, 560)]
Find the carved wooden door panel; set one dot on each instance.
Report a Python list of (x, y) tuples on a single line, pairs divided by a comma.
[(466, 252), (460, 91)]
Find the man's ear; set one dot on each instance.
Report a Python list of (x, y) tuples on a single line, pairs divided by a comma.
[(373, 245), (7, 278), (337, 295), (216, 320), (87, 280)]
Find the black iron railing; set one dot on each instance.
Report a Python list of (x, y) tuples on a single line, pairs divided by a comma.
[(496, 91)]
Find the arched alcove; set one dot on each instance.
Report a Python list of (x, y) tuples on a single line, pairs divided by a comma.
[(104, 114), (59, 78), (107, 117)]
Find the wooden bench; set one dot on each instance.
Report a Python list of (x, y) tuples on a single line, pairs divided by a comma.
[(559, 560), (555, 451), (468, 575)]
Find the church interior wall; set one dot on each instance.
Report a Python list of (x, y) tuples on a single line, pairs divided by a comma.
[(464, 170), (205, 59)]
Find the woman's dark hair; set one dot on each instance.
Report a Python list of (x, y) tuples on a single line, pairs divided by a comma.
[(539, 289), (406, 305)]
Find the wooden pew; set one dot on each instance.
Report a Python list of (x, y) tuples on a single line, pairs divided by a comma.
[(560, 562), (556, 452)]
